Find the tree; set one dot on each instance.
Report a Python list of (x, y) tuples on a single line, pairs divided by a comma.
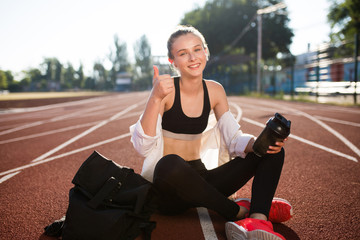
[(89, 83), (3, 80), (222, 21), (100, 75), (79, 77), (33, 79), (53, 74), (9, 77), (143, 64), (69, 77), (229, 27), (344, 19), (13, 86), (58, 73), (119, 59)]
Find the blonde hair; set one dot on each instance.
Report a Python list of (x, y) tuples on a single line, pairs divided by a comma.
[(183, 30)]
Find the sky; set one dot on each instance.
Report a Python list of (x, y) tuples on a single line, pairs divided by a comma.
[(82, 31)]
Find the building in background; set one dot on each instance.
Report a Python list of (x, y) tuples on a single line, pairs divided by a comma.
[(123, 82)]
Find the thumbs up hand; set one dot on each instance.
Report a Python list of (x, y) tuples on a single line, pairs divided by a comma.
[(162, 84)]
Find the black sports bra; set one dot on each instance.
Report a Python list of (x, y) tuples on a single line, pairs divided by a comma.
[(174, 120)]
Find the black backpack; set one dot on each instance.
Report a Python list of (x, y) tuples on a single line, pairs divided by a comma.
[(108, 202)]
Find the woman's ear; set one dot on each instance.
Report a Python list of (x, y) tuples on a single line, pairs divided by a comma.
[(207, 54), (171, 61)]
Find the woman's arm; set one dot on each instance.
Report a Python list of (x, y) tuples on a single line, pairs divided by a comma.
[(238, 143), (218, 99), (163, 85)]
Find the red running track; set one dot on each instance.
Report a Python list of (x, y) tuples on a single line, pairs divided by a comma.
[(41, 149)]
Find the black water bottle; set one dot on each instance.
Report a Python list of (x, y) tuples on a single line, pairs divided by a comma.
[(276, 130)]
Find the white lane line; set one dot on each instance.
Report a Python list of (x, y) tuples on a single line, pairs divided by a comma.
[(92, 146), (327, 108), (10, 126), (338, 121), (48, 132), (61, 130), (77, 113), (204, 217), (51, 120), (334, 132), (70, 141), (22, 127), (253, 122), (238, 109), (257, 107), (51, 106), (206, 224), (324, 148), (322, 124), (7, 177), (307, 141)]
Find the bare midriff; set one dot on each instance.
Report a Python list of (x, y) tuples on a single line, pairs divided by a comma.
[(187, 149)]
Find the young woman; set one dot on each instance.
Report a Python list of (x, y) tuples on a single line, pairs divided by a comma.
[(169, 135)]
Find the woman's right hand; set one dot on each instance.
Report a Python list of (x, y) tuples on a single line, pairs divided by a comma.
[(162, 85)]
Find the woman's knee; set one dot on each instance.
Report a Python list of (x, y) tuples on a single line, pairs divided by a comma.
[(278, 158), (168, 166)]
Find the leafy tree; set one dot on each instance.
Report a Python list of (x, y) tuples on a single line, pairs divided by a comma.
[(143, 64), (58, 73), (79, 77), (344, 19), (3, 80), (69, 77), (53, 74), (230, 29), (13, 86), (119, 59), (23, 85), (89, 83), (9, 77), (222, 21), (100, 75), (34, 79)]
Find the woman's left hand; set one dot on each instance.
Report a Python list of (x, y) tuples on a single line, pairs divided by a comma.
[(277, 148)]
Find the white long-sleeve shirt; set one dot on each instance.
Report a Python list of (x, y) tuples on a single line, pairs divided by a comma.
[(225, 136)]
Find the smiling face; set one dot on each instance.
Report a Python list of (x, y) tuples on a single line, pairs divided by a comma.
[(189, 55)]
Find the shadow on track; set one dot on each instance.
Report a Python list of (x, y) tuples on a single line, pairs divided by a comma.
[(284, 230)]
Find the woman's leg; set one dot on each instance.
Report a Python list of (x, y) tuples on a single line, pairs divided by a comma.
[(182, 187), (265, 183), (266, 170), (178, 181)]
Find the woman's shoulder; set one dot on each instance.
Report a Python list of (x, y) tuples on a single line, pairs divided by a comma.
[(216, 93), (214, 86)]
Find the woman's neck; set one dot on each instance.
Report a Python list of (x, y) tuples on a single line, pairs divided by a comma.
[(190, 85)]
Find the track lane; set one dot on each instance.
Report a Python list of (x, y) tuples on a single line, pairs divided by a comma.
[(313, 180)]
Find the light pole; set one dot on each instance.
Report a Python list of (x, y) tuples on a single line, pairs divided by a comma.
[(260, 12)]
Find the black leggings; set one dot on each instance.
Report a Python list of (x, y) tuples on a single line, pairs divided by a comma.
[(187, 184)]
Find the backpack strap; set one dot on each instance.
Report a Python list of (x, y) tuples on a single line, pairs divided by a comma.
[(110, 185), (107, 190)]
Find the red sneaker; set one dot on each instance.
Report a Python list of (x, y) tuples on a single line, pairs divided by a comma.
[(250, 228), (280, 211), (244, 202)]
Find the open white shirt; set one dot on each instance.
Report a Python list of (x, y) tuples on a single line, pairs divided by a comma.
[(225, 136)]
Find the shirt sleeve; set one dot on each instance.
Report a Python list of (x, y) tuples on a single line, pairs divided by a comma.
[(231, 135), (143, 143)]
